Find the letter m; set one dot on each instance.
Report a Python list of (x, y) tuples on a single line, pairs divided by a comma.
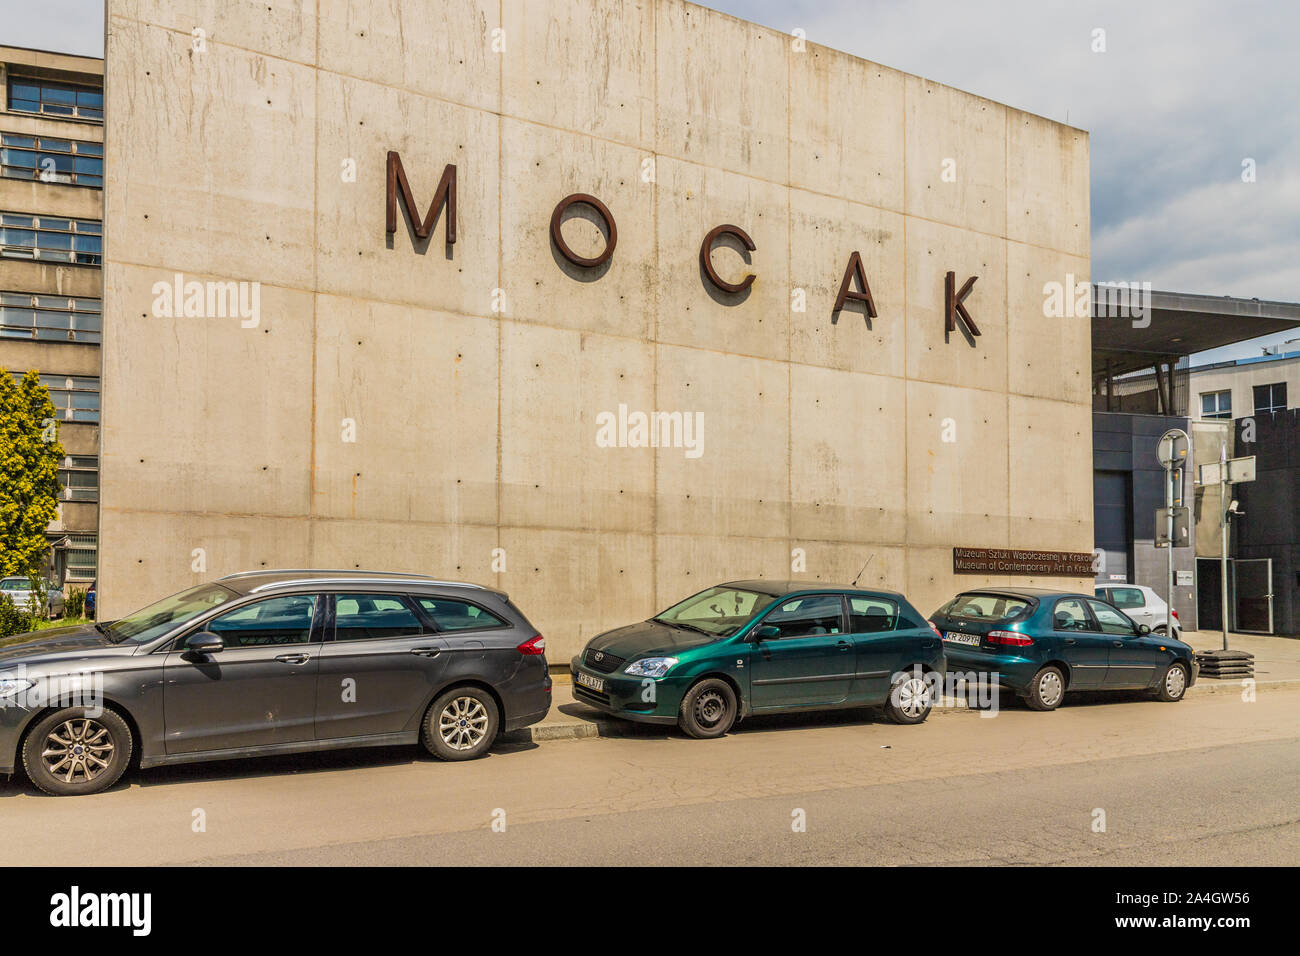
[(445, 196)]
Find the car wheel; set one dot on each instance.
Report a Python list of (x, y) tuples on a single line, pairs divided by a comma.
[(71, 752), (461, 724), (910, 698), (708, 710), (1173, 686), (1046, 689)]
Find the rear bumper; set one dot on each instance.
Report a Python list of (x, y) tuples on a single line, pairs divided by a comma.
[(527, 700), (1005, 670)]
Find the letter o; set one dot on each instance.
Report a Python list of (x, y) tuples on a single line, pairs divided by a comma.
[(557, 237), (706, 261)]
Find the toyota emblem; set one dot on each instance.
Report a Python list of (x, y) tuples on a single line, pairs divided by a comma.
[(600, 655)]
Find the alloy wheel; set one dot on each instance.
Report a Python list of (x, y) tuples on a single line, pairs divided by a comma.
[(463, 723), (1049, 688), (913, 696), (78, 750), (1175, 682)]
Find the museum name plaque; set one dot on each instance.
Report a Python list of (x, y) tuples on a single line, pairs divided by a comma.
[(1064, 564)]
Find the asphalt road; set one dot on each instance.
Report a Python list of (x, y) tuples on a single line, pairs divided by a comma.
[(1208, 781)]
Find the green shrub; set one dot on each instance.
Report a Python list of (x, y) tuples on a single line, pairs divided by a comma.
[(74, 603), (12, 620)]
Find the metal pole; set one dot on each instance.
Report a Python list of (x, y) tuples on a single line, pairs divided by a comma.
[(1223, 546), (1170, 471)]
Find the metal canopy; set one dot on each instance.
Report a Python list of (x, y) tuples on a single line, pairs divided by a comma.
[(1179, 325)]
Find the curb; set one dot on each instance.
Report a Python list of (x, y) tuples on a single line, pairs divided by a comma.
[(613, 727)]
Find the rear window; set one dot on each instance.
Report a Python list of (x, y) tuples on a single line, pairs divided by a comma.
[(985, 607)]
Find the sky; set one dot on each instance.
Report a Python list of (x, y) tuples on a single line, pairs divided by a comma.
[(1185, 92)]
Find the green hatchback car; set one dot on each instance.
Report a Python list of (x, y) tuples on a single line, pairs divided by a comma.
[(764, 647)]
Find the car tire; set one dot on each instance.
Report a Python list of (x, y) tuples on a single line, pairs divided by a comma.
[(708, 709), (87, 740), (461, 724), (1046, 690), (1173, 683), (911, 698)]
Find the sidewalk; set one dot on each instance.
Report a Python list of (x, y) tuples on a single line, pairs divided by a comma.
[(1276, 658), (1277, 664)]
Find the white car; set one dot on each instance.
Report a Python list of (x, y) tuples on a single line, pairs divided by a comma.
[(19, 591), (1142, 604)]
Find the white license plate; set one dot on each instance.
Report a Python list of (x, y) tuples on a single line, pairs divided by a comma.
[(595, 683), (971, 640)]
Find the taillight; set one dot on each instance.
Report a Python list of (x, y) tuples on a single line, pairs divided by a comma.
[(934, 628), (534, 645), (1175, 614), (1008, 638)]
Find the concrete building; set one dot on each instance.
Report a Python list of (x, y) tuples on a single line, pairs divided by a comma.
[(387, 394), (51, 210)]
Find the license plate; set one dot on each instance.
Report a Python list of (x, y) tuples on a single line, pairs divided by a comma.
[(595, 683), (971, 640)]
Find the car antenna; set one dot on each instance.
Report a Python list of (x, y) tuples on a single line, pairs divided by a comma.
[(863, 571)]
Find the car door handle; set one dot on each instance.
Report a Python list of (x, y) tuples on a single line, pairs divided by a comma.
[(426, 651), (843, 645), (292, 658), (1070, 640), (1117, 643)]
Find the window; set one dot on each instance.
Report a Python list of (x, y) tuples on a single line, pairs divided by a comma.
[(270, 623), (75, 397), (871, 615), (160, 617), (1127, 597), (720, 610), (372, 617), (1111, 620), (985, 607), (1270, 398), (809, 616), (49, 318), (51, 239), (81, 554), (1071, 615), (79, 477), (55, 99), (51, 160), (1216, 404), (459, 615)]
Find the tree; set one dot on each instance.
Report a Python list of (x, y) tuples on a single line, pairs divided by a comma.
[(30, 454)]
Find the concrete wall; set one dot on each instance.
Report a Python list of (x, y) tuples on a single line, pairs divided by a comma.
[(475, 374)]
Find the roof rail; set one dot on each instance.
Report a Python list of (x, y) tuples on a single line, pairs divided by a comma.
[(356, 572), (295, 582)]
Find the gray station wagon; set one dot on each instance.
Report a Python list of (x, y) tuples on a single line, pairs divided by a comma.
[(271, 662)]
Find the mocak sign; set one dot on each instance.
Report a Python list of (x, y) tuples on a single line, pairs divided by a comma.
[(854, 286)]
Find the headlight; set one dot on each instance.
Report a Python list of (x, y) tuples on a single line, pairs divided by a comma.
[(650, 667), (10, 686)]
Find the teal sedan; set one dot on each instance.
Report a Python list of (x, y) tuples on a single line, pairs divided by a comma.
[(1041, 643), (764, 647)]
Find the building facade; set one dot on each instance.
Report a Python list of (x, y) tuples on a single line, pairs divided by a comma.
[(718, 303), (51, 279)]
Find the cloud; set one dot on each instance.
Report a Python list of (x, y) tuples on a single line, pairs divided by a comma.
[(1185, 91)]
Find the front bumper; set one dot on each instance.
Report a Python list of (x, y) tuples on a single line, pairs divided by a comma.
[(625, 696)]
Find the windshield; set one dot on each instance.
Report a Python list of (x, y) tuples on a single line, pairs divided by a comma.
[(721, 611), (157, 619), (985, 607)]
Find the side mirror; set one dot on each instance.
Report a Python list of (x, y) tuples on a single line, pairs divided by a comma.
[(1144, 630), (767, 632), (204, 642)]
